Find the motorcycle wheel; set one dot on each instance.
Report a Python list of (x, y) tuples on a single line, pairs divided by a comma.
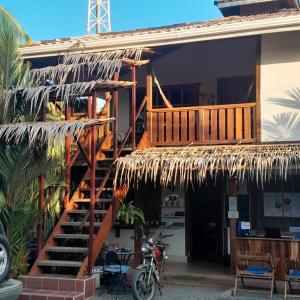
[(140, 287), (5, 259)]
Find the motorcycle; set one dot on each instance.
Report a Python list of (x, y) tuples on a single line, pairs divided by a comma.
[(149, 273)]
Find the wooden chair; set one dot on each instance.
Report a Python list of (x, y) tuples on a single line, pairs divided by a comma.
[(292, 275), (259, 267)]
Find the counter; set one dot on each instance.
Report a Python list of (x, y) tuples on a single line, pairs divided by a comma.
[(280, 249)]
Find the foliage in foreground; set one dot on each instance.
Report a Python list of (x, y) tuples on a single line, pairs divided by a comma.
[(20, 165)]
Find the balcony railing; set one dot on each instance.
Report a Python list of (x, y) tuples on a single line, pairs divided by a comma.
[(218, 124)]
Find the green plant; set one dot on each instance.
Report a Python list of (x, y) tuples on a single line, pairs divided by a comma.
[(128, 213)]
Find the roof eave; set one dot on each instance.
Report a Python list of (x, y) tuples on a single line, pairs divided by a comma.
[(179, 36)]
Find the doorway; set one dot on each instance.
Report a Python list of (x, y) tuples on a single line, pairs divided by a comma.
[(205, 221)]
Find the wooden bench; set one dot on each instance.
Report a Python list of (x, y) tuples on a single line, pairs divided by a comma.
[(292, 275), (259, 267)]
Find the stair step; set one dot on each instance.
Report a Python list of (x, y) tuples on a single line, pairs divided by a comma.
[(60, 263), (67, 249), (88, 189), (86, 224), (99, 178), (108, 159), (88, 200), (70, 236), (102, 169), (112, 150), (85, 211)]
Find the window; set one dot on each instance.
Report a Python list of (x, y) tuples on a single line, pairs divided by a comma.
[(236, 89), (178, 95), (282, 199)]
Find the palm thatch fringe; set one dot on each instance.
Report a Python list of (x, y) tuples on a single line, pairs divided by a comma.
[(65, 92), (187, 164), (45, 132), (131, 53), (62, 73)]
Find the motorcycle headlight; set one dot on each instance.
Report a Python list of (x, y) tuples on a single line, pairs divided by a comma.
[(145, 247)]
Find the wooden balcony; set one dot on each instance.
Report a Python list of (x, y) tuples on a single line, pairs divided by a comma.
[(202, 125)]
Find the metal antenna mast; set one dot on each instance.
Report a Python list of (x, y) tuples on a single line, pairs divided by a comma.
[(99, 16)]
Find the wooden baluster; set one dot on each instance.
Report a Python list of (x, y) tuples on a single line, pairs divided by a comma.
[(222, 125), (230, 124), (169, 126), (161, 128), (192, 126), (176, 125), (239, 123), (206, 125), (200, 137), (183, 126), (247, 123), (214, 124), (153, 115), (92, 188), (133, 108)]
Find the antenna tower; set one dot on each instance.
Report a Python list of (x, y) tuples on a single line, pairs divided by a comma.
[(99, 16)]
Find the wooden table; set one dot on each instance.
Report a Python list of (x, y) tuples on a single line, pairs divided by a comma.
[(280, 249)]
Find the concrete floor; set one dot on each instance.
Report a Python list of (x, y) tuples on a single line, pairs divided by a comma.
[(214, 283)]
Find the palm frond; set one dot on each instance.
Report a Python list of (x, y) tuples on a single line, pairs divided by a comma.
[(188, 164)]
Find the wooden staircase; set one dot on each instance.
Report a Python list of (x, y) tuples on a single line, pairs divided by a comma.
[(66, 250)]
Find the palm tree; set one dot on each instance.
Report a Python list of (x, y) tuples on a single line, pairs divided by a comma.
[(15, 24), (20, 165)]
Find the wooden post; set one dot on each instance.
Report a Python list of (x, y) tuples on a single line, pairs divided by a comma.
[(116, 116), (149, 102), (133, 108), (90, 116), (233, 193), (41, 181), (137, 227), (92, 189), (68, 158), (257, 92)]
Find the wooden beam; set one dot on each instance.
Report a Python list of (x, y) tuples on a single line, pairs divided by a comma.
[(85, 155), (258, 88), (89, 112), (149, 87), (133, 108), (68, 158), (233, 185), (41, 181), (93, 188), (116, 116)]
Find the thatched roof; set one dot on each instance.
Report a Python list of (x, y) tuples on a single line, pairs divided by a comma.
[(45, 132), (65, 92), (188, 164)]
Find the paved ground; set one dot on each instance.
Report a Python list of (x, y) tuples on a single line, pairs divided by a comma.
[(175, 292)]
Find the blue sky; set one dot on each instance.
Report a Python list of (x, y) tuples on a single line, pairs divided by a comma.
[(67, 18)]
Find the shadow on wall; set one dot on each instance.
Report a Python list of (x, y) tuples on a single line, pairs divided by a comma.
[(285, 126), (292, 102)]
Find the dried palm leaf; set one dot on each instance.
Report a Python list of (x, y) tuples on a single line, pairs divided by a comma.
[(45, 132), (256, 162)]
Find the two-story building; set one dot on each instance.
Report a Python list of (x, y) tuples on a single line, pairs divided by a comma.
[(219, 132)]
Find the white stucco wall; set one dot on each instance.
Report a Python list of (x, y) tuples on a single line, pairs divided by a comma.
[(280, 87)]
